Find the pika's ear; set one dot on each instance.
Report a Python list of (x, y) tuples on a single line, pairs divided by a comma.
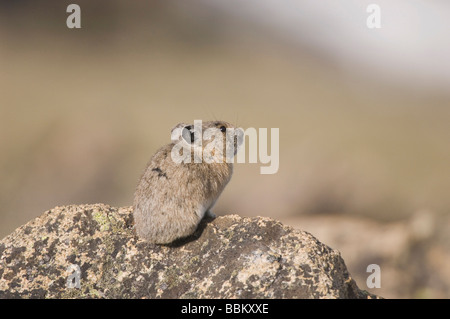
[(183, 132), (178, 127)]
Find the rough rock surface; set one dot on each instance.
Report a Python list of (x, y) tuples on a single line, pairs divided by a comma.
[(229, 257)]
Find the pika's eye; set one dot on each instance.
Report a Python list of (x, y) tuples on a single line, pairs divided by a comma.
[(223, 129)]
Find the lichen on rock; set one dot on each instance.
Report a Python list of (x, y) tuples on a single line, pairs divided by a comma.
[(229, 257)]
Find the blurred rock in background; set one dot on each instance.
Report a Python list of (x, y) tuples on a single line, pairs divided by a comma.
[(363, 115)]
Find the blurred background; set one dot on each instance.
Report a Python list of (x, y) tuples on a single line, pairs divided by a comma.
[(363, 116)]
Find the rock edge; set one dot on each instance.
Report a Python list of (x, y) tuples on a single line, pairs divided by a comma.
[(229, 257)]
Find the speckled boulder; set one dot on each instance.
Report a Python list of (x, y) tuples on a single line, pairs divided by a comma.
[(95, 247)]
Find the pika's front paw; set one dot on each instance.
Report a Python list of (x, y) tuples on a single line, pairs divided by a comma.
[(210, 214)]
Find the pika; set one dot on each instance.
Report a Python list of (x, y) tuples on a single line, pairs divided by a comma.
[(173, 196)]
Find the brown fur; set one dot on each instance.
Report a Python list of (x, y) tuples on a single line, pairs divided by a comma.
[(171, 199)]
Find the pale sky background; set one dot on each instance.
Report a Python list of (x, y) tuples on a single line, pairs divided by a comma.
[(412, 47)]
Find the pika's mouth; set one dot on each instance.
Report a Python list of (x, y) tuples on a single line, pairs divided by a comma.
[(236, 145), (238, 139)]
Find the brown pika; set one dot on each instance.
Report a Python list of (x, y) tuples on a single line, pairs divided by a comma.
[(175, 192)]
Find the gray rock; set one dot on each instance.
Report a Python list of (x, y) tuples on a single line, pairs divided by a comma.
[(229, 257)]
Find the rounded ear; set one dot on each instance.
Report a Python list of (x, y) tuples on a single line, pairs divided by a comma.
[(183, 133)]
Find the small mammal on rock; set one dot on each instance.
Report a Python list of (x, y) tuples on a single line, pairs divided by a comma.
[(172, 197)]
